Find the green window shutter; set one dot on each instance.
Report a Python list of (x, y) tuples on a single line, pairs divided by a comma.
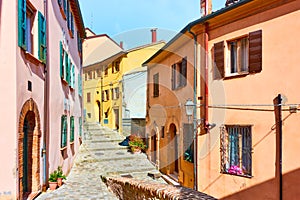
[(79, 84), (42, 37), (65, 6), (71, 129), (68, 71), (22, 24), (61, 56), (64, 128), (66, 66), (79, 43)]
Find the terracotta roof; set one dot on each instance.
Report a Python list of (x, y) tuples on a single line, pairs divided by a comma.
[(78, 17)]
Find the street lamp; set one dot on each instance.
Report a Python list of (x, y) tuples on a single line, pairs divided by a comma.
[(189, 108)]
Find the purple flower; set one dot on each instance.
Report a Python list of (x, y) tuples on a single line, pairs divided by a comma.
[(235, 170)]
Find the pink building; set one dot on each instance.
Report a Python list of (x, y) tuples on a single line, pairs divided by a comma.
[(40, 50)]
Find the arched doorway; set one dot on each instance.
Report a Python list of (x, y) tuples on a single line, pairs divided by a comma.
[(28, 151), (173, 150)]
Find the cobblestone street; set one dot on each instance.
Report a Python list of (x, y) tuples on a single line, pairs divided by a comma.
[(100, 154)]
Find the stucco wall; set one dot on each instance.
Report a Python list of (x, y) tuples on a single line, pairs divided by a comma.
[(8, 102), (279, 75)]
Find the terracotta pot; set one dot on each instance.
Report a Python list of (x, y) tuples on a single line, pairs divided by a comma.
[(52, 185), (59, 182)]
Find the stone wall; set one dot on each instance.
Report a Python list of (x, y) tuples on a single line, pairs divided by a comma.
[(128, 189)]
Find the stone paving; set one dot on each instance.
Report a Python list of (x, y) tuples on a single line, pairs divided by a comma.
[(100, 154)]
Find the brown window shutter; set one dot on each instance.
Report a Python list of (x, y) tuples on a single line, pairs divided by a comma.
[(255, 51), (219, 70), (173, 76), (184, 71)]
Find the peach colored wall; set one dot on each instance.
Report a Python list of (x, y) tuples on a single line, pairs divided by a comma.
[(280, 31), (163, 109), (8, 120)]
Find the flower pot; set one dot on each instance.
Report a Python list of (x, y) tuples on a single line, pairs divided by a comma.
[(136, 151), (59, 182), (52, 185)]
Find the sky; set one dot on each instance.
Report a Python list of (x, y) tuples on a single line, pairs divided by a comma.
[(130, 21)]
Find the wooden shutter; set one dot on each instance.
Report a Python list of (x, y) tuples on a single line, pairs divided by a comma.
[(73, 76), (22, 24), (61, 56), (68, 73), (64, 125), (183, 71), (79, 85), (255, 51), (173, 76), (156, 85), (42, 37), (71, 129), (219, 67)]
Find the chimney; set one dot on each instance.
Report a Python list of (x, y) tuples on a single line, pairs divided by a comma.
[(205, 7), (121, 44), (154, 39)]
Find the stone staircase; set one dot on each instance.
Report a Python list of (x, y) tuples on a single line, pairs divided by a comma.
[(116, 160)]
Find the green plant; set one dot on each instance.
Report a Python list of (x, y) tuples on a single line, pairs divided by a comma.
[(53, 176), (136, 143), (60, 173)]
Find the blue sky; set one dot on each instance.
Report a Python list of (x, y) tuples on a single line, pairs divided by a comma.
[(130, 21)]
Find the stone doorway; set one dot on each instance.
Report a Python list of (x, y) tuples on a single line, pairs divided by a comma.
[(28, 151)]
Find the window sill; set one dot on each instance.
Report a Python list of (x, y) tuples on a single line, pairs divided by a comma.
[(236, 75), (240, 175), (63, 148), (32, 59)]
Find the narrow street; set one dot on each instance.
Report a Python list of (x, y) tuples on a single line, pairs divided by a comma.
[(100, 154)]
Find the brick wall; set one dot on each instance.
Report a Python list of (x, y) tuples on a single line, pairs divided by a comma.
[(128, 189)]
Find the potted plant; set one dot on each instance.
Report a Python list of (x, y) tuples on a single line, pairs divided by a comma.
[(53, 180), (60, 176), (136, 144)]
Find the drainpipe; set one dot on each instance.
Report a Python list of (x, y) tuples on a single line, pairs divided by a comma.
[(46, 102), (206, 77), (195, 108)]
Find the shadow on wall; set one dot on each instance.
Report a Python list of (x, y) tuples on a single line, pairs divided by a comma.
[(267, 189)]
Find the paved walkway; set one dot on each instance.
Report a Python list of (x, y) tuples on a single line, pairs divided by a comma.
[(98, 155)]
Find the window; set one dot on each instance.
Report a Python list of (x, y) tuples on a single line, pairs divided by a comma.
[(98, 72), (90, 75), (64, 131), (179, 74), (30, 13), (156, 85), (106, 71), (236, 150), (26, 16), (88, 97), (106, 92), (115, 93), (115, 66), (238, 51), (72, 129), (72, 77), (244, 56)]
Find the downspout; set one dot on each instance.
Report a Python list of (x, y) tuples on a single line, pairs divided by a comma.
[(46, 102), (195, 108), (206, 77)]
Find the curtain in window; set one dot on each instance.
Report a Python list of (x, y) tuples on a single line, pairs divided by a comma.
[(234, 146)]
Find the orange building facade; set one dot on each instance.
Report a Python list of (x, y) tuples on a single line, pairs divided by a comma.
[(245, 55)]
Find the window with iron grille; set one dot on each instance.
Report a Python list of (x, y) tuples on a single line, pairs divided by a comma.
[(236, 150), (64, 131), (179, 74)]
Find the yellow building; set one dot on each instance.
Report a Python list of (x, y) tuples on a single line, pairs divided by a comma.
[(111, 89), (93, 59), (105, 63)]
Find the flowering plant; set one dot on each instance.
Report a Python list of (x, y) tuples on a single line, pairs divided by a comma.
[(235, 170)]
